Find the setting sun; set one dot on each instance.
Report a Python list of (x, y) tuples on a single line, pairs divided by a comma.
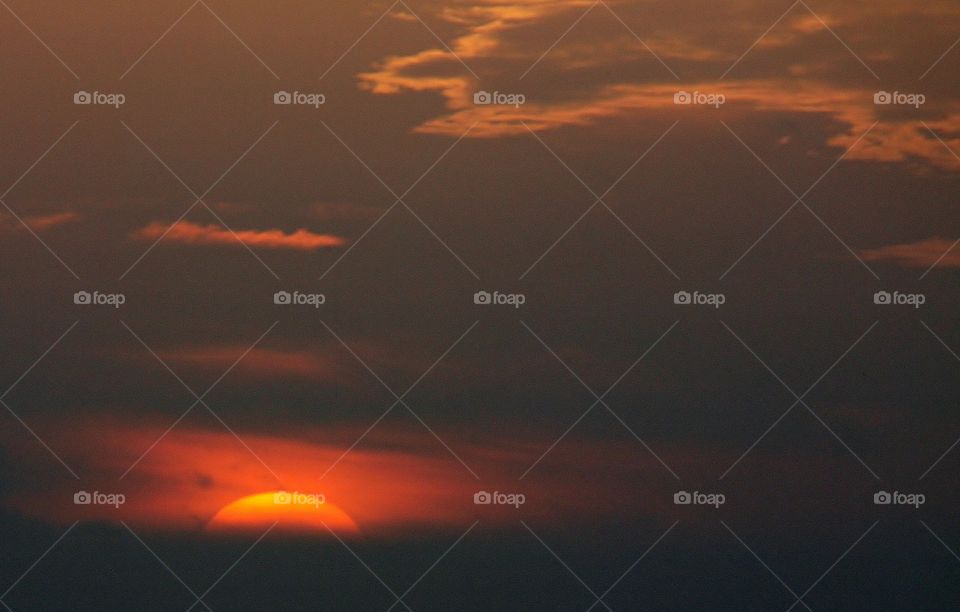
[(292, 512)]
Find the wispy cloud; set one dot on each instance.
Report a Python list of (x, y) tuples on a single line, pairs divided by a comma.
[(186, 232), (921, 254)]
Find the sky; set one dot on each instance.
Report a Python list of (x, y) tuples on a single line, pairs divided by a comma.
[(579, 258)]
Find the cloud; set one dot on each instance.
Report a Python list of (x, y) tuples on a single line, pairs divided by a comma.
[(43, 222), (921, 254), (257, 362), (39, 223), (186, 232), (624, 80)]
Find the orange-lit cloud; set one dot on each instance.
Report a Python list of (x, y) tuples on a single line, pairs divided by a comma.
[(39, 223), (257, 362), (921, 254), (192, 233), (396, 481), (44, 222), (508, 37)]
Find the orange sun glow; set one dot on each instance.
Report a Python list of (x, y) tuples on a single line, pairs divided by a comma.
[(292, 512)]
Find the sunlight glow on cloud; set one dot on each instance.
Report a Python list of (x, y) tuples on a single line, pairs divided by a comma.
[(920, 254), (186, 232), (507, 37)]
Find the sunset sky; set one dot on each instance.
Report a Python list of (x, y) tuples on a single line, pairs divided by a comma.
[(288, 218)]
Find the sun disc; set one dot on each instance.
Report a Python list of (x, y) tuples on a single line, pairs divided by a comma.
[(291, 512)]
